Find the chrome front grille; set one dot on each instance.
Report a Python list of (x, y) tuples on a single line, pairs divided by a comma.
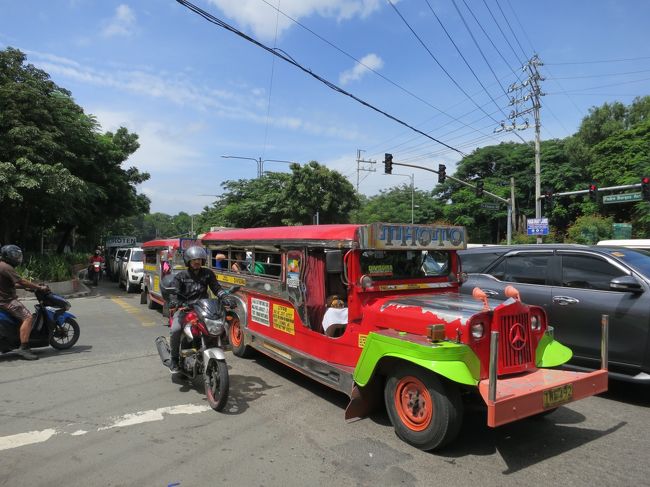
[(515, 350)]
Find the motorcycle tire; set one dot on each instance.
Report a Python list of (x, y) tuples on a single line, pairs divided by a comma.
[(61, 339), (143, 297), (217, 383)]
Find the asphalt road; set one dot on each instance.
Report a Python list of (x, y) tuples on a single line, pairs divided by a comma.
[(107, 413)]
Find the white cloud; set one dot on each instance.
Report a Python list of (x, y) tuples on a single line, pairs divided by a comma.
[(363, 67), (262, 21), (121, 24), (181, 90)]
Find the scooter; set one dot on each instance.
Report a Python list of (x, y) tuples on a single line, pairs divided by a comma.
[(204, 338), (94, 272), (52, 325)]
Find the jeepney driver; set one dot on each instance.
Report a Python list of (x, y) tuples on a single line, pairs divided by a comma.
[(190, 285)]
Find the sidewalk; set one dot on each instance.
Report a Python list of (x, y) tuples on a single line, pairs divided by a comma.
[(73, 288)]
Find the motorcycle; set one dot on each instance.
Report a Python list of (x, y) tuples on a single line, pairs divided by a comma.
[(204, 338), (95, 272), (52, 325)]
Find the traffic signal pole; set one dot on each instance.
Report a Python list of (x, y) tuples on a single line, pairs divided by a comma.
[(507, 202)]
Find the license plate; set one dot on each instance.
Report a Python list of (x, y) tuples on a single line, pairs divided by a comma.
[(558, 395)]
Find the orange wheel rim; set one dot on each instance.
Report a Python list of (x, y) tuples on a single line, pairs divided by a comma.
[(235, 333), (413, 403)]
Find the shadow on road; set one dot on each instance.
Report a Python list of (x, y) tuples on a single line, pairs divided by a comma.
[(44, 353)]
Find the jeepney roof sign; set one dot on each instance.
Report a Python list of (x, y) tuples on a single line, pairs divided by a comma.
[(396, 236)]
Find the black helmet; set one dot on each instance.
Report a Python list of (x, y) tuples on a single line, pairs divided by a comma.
[(12, 255), (195, 252)]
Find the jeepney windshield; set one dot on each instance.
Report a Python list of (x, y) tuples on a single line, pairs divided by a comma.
[(404, 264)]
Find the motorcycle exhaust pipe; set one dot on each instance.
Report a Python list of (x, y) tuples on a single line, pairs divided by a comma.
[(164, 351)]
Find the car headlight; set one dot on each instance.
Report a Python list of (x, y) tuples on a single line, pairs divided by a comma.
[(215, 327), (477, 330), (535, 323)]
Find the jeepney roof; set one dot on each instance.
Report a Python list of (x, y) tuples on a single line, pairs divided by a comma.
[(372, 236), (161, 243), (343, 235)]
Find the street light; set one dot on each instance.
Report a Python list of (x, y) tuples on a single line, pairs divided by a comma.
[(259, 161), (412, 176)]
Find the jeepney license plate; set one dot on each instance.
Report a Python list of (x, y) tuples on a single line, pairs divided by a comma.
[(558, 395)]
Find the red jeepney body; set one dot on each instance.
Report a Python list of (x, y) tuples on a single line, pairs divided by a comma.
[(156, 254)]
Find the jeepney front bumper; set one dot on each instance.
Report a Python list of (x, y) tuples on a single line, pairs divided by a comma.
[(531, 393)]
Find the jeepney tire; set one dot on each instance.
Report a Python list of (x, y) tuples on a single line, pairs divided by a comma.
[(165, 310), (143, 297), (237, 340), (438, 419)]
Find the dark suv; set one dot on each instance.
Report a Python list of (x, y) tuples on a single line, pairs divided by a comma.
[(576, 284)]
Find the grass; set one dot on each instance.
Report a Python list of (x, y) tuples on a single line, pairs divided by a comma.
[(50, 268)]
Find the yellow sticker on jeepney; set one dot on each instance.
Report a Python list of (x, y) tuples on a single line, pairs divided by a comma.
[(239, 281), (362, 340), (150, 267), (156, 284), (380, 270), (283, 319)]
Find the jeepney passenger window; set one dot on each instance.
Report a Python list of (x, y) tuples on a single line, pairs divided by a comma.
[(267, 264), (404, 264), (150, 257)]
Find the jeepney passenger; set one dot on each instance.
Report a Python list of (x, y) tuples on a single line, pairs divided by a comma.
[(238, 264), (335, 318)]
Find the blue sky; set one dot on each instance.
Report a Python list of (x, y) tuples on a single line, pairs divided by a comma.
[(193, 91)]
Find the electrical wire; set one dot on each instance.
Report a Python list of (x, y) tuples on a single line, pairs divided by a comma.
[(503, 33), (268, 106), (511, 30), (286, 57), (600, 62), (369, 68)]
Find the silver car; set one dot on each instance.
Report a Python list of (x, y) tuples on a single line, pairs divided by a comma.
[(576, 285)]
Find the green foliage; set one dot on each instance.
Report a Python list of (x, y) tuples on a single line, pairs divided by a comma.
[(394, 205), (57, 172), (283, 199), (50, 268), (590, 229)]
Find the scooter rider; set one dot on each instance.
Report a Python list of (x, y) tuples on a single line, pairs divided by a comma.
[(189, 286), (10, 257)]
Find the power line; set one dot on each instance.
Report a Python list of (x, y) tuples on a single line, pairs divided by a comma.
[(521, 26), (268, 106), (600, 75), (601, 61), (358, 61), (510, 27), (503, 33), (286, 57)]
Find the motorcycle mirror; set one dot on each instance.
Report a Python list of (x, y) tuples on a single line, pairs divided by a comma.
[(234, 289)]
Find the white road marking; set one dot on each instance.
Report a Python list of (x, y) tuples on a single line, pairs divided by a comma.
[(155, 415), (22, 439), (31, 437)]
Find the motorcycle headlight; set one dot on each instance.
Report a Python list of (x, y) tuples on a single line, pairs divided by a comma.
[(477, 330), (215, 327)]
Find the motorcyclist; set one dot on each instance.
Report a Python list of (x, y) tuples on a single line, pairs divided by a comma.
[(11, 257), (190, 285)]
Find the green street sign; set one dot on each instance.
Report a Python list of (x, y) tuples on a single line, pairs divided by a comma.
[(621, 198), (490, 206)]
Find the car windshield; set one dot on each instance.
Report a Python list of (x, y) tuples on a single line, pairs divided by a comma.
[(637, 259), (404, 264), (136, 256)]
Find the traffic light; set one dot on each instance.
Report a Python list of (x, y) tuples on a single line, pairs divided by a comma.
[(593, 192), (479, 188), (645, 188), (548, 193), (388, 163), (442, 173)]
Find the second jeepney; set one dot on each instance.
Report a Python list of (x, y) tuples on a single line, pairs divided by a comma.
[(374, 311)]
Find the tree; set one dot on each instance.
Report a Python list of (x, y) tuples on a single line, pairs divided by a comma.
[(58, 172), (394, 205)]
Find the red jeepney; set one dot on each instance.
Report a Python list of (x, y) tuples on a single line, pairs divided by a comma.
[(161, 257), (374, 311)]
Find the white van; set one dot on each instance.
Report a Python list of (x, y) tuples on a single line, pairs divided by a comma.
[(634, 243), (132, 269)]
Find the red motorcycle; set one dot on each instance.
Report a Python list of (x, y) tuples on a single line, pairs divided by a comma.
[(202, 357)]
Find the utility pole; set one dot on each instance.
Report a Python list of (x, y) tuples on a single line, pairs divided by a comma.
[(359, 168), (533, 93)]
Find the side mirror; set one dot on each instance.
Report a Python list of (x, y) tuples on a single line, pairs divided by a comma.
[(234, 289), (626, 283)]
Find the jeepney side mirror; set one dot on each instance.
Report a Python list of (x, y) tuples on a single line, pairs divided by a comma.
[(334, 261)]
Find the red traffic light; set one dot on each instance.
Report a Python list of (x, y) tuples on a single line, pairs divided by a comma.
[(645, 188), (593, 192)]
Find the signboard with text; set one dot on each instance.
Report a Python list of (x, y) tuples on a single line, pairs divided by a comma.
[(537, 226)]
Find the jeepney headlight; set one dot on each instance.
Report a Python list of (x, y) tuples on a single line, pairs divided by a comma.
[(535, 323), (365, 281), (477, 330)]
